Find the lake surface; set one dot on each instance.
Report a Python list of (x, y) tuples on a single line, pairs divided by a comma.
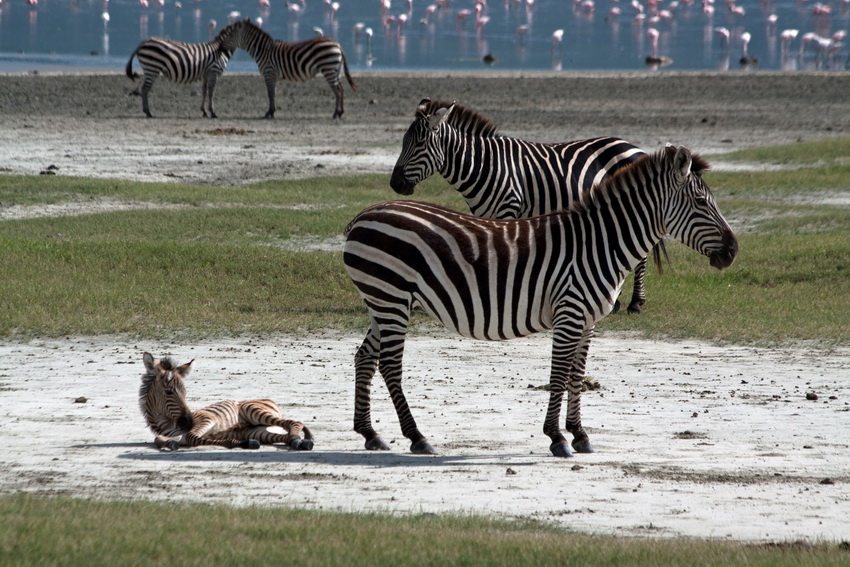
[(452, 35)]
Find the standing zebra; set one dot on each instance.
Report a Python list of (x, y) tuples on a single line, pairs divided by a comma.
[(508, 178), (501, 279), (182, 63), (293, 61), (231, 424)]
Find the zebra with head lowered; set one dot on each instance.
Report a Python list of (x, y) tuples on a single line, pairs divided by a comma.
[(182, 63), (299, 61), (507, 178), (501, 279), (230, 424)]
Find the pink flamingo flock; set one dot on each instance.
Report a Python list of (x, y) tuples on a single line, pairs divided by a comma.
[(653, 22)]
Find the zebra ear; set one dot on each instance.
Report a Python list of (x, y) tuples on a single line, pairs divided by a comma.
[(150, 363), (184, 369), (682, 161), (440, 116)]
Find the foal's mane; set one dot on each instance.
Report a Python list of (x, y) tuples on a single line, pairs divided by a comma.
[(462, 118)]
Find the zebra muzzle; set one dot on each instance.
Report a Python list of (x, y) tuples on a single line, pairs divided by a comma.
[(400, 183), (723, 256)]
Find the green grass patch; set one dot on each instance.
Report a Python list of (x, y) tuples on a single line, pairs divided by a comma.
[(263, 258), (68, 532)]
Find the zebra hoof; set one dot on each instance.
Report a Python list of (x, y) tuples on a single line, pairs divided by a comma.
[(377, 444), (295, 444), (306, 445), (251, 444), (422, 447), (561, 449), (616, 306), (634, 308), (172, 445), (582, 446)]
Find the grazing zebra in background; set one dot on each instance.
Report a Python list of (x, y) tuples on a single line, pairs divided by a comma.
[(501, 279), (182, 63), (508, 178), (293, 61), (231, 424)]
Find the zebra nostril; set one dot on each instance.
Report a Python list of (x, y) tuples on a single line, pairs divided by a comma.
[(400, 183)]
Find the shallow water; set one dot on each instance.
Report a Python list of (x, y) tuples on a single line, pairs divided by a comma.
[(57, 35)]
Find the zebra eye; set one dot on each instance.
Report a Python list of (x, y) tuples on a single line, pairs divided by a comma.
[(701, 200)]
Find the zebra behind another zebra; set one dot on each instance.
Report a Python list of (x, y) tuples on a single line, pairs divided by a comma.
[(230, 424), (501, 279), (508, 178), (299, 61)]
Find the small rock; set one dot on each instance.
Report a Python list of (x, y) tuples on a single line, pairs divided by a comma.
[(827, 481), (811, 396), (81, 400), (510, 472)]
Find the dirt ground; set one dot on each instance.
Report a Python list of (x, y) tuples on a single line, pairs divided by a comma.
[(692, 438)]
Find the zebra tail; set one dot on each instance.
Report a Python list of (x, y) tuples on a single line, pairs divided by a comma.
[(129, 70), (658, 251), (347, 74)]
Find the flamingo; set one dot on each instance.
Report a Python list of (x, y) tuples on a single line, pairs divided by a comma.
[(653, 59), (747, 59), (724, 35), (787, 36)]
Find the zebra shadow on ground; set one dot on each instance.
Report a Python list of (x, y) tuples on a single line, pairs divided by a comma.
[(380, 459)]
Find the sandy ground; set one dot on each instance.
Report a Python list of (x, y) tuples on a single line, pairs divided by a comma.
[(692, 439)]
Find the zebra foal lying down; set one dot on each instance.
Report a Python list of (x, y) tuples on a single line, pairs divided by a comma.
[(231, 424), (502, 279)]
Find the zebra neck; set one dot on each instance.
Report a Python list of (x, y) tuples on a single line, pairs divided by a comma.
[(257, 46), (472, 166), (630, 220)]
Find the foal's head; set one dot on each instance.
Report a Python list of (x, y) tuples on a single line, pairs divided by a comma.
[(162, 396)]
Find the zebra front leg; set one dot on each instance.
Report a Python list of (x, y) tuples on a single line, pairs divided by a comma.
[(271, 85), (567, 341), (365, 365), (209, 92), (638, 291)]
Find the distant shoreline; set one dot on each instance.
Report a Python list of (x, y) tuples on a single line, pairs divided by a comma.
[(91, 123)]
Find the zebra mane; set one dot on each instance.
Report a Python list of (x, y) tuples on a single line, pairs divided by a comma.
[(639, 168), (464, 119), (248, 23)]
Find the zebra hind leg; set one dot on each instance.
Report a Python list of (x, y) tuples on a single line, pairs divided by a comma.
[(365, 365), (338, 93), (146, 89)]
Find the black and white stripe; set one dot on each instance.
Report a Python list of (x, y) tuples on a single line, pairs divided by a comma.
[(182, 63), (300, 61), (229, 423), (507, 178), (500, 279)]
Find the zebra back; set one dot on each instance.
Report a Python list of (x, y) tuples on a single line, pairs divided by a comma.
[(501, 176)]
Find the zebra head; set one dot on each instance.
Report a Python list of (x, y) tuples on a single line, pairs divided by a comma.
[(231, 36), (162, 397), (692, 216), (421, 151)]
